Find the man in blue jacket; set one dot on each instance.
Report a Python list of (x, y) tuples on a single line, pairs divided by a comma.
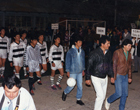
[(75, 66)]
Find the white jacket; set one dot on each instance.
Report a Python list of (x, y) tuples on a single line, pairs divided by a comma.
[(26, 100)]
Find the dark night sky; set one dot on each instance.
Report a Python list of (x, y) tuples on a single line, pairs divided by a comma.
[(99, 9)]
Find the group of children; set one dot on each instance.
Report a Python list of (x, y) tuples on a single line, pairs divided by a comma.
[(33, 57)]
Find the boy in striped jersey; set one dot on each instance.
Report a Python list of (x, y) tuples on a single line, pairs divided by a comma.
[(17, 49), (33, 61), (4, 49), (56, 58), (23, 39), (44, 52)]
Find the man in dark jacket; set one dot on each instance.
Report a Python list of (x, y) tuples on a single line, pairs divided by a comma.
[(98, 67)]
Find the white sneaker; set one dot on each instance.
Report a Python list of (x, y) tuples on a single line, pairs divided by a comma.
[(107, 105)]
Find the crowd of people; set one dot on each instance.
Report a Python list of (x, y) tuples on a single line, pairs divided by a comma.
[(109, 55)]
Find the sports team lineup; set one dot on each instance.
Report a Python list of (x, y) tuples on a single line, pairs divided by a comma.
[(79, 63)]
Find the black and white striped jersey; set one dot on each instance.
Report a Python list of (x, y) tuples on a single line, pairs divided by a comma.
[(4, 44), (16, 50), (43, 49), (25, 41), (32, 54), (56, 53)]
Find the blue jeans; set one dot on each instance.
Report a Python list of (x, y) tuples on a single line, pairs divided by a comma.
[(79, 80), (121, 91)]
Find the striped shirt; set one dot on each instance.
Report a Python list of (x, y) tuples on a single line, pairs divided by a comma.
[(16, 50), (43, 49), (56, 53), (4, 44)]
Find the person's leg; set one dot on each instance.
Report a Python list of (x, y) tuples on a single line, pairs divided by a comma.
[(135, 63), (69, 89), (17, 68), (30, 80), (79, 86), (44, 66), (118, 89), (0, 67), (97, 83), (104, 85), (52, 77), (3, 66), (124, 93), (60, 76)]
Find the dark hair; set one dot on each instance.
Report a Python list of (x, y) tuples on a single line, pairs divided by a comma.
[(78, 38), (23, 32), (16, 33), (10, 81), (34, 37), (103, 40), (126, 41), (56, 36), (40, 33), (2, 28)]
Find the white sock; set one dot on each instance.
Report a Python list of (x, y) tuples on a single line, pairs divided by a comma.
[(17, 75), (2, 70), (43, 71), (25, 73)]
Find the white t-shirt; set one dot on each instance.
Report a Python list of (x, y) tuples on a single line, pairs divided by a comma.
[(26, 100)]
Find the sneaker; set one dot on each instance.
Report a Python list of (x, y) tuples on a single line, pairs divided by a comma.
[(64, 96), (32, 92), (33, 87), (26, 76), (107, 105), (39, 82), (80, 102), (53, 87), (59, 86)]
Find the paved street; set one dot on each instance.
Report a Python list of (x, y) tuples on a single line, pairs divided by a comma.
[(47, 99)]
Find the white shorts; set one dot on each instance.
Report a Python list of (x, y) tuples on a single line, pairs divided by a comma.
[(44, 60), (58, 65), (34, 66), (18, 62), (3, 54)]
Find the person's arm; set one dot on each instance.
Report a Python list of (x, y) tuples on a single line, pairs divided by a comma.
[(130, 71), (25, 56), (115, 60), (68, 61), (90, 62), (83, 60), (10, 57), (50, 55), (46, 51), (10, 54), (8, 45), (62, 55), (111, 73), (39, 56)]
